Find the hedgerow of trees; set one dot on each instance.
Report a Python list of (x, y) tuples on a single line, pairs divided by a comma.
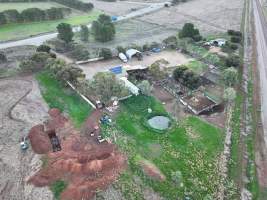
[(76, 4), (32, 15)]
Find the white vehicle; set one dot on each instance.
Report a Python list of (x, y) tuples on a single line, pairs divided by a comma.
[(123, 57), (24, 144)]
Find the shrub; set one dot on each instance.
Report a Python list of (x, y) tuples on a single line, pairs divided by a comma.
[(145, 88), (179, 72), (171, 42), (146, 47), (43, 48), (232, 61), (197, 38), (79, 52), (234, 33), (12, 16), (57, 188), (37, 62), (233, 46), (3, 57), (105, 53), (230, 76), (230, 32), (121, 49), (236, 39), (32, 14)]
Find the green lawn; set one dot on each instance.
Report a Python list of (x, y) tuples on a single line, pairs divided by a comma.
[(63, 98), (190, 147), (17, 31), (22, 6), (197, 66)]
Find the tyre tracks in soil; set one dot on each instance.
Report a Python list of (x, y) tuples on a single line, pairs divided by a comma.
[(8, 120)]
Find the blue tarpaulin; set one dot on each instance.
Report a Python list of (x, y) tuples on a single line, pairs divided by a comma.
[(116, 70)]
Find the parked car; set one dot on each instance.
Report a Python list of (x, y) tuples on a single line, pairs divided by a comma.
[(123, 57), (156, 50)]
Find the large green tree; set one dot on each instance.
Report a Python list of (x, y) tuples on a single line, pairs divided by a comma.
[(103, 29), (65, 32), (189, 31), (230, 76), (105, 85)]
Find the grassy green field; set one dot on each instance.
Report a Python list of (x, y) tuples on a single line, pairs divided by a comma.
[(23, 6), (63, 98), (17, 31), (189, 148), (197, 66)]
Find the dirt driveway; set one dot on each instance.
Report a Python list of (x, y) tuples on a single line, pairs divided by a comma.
[(173, 57), (21, 107)]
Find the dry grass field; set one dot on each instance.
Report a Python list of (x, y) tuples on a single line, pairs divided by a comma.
[(208, 15)]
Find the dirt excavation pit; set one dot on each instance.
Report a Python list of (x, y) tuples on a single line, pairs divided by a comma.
[(83, 163)]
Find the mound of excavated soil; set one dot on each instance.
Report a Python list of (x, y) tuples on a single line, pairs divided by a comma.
[(39, 139), (85, 164), (151, 170)]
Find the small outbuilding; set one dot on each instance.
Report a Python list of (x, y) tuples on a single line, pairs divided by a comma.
[(132, 52)]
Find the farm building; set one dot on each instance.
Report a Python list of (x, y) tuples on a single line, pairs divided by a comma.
[(198, 102)]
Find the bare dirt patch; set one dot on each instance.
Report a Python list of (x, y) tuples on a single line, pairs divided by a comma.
[(171, 104), (21, 107), (208, 15), (14, 56), (218, 51), (115, 8), (151, 170)]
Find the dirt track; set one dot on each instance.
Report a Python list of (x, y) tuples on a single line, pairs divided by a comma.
[(21, 107)]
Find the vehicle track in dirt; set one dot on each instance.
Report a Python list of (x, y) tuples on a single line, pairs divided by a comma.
[(16, 166)]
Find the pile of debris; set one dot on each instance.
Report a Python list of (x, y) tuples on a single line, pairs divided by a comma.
[(86, 165)]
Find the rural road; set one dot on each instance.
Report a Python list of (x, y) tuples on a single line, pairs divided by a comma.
[(40, 39), (261, 38)]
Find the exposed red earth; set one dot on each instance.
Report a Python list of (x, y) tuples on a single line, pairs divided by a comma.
[(84, 163)]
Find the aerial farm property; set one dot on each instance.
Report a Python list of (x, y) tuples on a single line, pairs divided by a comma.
[(130, 100)]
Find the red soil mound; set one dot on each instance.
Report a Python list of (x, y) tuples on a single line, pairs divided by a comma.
[(83, 163), (40, 141), (152, 171)]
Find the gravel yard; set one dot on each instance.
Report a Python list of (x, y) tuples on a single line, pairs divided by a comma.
[(174, 58)]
